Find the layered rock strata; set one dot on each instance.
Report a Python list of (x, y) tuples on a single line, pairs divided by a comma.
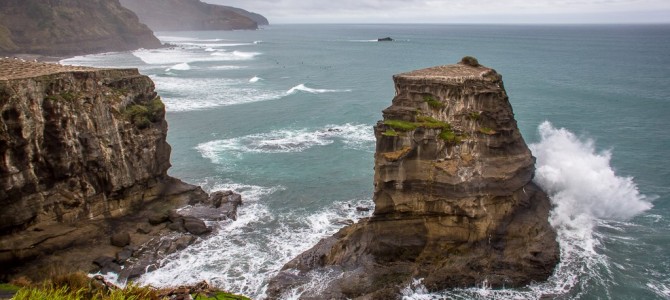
[(177, 15), (70, 27), (81, 150), (455, 201)]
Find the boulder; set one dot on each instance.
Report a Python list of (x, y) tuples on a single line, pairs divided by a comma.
[(120, 239)]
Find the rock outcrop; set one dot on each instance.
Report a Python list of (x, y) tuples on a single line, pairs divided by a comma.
[(70, 27), (177, 15), (455, 204), (81, 149)]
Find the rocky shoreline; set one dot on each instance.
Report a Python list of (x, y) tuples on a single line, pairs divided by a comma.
[(84, 175)]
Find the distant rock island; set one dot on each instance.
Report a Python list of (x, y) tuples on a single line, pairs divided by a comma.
[(176, 15), (455, 204), (70, 27)]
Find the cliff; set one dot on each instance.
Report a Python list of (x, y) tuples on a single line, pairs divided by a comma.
[(78, 145), (455, 204), (70, 27), (176, 15)]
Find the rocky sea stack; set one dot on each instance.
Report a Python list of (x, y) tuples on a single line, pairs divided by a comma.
[(455, 201)]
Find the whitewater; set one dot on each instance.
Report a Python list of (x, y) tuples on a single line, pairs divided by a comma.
[(284, 116)]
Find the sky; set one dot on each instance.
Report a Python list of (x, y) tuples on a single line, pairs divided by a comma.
[(457, 11)]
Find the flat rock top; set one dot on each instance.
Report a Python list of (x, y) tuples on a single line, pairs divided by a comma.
[(447, 72), (11, 68)]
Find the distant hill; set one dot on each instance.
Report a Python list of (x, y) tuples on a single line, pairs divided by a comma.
[(176, 15), (70, 27)]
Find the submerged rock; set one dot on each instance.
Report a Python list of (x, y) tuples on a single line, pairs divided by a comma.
[(454, 200)]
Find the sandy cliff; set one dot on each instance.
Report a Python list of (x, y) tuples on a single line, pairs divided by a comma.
[(176, 15), (455, 204), (77, 145), (70, 27)]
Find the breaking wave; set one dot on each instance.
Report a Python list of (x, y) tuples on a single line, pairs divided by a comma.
[(255, 79), (586, 194), (246, 253), (187, 94), (354, 136), (303, 88)]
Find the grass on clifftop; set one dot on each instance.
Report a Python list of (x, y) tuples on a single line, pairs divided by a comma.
[(78, 286), (142, 115), (447, 134)]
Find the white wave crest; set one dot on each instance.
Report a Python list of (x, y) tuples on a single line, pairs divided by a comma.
[(586, 194), (187, 94), (179, 67), (354, 136), (246, 253), (255, 79), (236, 55), (303, 88)]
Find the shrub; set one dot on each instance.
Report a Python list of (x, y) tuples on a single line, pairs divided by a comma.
[(470, 61), (142, 115), (474, 116), (390, 132), (432, 102), (450, 137)]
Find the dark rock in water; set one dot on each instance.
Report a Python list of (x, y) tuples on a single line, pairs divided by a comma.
[(454, 199), (123, 255), (362, 209), (386, 39), (177, 226), (102, 261), (121, 239), (195, 226)]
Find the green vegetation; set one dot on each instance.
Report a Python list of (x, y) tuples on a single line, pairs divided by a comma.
[(67, 96), (400, 125), (470, 61), (486, 130), (447, 134), (142, 115), (390, 132), (78, 286), (9, 287), (474, 115), (432, 102)]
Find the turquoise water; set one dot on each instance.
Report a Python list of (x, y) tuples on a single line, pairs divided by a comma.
[(284, 115)]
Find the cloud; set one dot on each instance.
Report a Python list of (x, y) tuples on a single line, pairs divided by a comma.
[(456, 11)]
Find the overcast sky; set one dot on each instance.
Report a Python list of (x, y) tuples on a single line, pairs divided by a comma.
[(457, 11)]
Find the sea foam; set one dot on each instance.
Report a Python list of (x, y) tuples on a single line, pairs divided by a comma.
[(303, 88), (586, 194), (353, 136)]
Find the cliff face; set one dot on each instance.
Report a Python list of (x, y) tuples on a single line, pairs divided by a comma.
[(77, 144), (176, 15), (455, 204), (70, 27)]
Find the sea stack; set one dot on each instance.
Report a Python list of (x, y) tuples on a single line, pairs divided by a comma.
[(455, 204)]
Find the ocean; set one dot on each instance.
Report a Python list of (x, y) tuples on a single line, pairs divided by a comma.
[(284, 116)]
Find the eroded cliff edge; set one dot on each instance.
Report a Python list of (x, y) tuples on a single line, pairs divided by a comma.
[(180, 15), (455, 201), (70, 27), (78, 145)]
